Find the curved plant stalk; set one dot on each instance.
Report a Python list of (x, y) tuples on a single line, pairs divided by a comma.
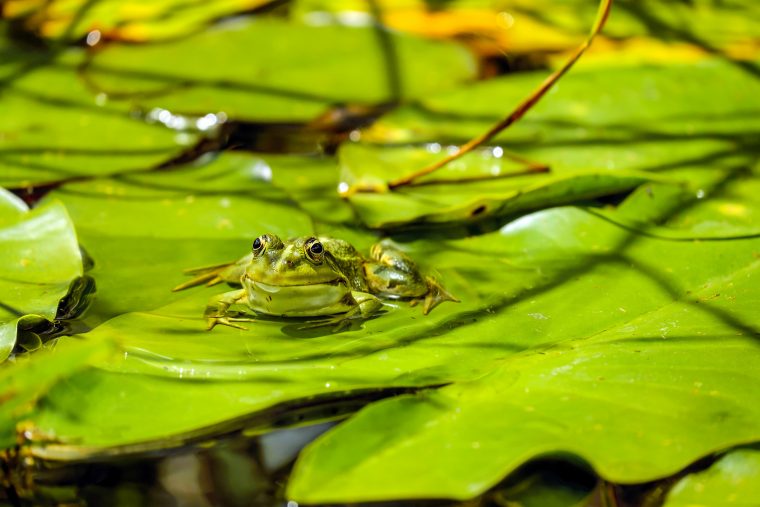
[(520, 110)]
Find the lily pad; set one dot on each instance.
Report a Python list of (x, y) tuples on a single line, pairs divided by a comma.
[(24, 382), (89, 134), (117, 19), (478, 186), (302, 72), (182, 382), (40, 259), (638, 401), (588, 124), (733, 480)]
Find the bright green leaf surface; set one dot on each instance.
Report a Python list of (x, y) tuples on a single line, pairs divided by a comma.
[(176, 377), (443, 198), (594, 124), (290, 72), (87, 137), (639, 401), (25, 381), (39, 258), (117, 19), (733, 480)]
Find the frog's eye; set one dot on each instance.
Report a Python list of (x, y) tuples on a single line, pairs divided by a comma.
[(259, 244), (314, 249)]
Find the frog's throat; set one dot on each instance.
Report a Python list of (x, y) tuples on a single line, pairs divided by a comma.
[(271, 287)]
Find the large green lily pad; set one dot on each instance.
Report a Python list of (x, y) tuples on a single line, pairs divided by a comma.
[(177, 380), (39, 261), (638, 400), (594, 129), (290, 72), (89, 135), (23, 383)]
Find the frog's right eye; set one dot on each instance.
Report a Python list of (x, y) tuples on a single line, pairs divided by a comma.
[(259, 244)]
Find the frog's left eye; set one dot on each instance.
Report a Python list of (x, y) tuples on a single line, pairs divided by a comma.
[(314, 249)]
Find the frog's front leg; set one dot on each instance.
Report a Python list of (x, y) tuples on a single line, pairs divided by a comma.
[(361, 305), (217, 310), (366, 304)]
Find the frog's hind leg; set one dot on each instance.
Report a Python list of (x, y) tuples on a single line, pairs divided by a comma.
[(395, 274), (436, 295), (211, 275)]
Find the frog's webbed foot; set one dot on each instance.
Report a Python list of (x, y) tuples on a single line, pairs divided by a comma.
[(337, 322), (224, 320), (214, 274), (208, 275), (436, 295)]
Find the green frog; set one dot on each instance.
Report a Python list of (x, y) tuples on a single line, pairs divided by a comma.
[(315, 277)]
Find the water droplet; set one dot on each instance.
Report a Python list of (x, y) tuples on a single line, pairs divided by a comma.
[(700, 194), (355, 135), (207, 122), (342, 187), (505, 20), (433, 147), (498, 151), (261, 171), (93, 38)]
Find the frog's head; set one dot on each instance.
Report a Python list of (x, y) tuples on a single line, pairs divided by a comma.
[(299, 261)]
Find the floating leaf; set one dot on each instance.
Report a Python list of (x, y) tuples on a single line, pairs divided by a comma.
[(479, 185), (302, 72), (117, 19), (39, 261), (23, 383), (646, 124), (53, 128), (178, 380), (639, 401)]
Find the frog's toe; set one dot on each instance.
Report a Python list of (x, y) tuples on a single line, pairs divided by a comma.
[(227, 321), (336, 322), (436, 295)]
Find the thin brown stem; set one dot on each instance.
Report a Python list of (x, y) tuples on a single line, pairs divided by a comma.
[(520, 110)]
